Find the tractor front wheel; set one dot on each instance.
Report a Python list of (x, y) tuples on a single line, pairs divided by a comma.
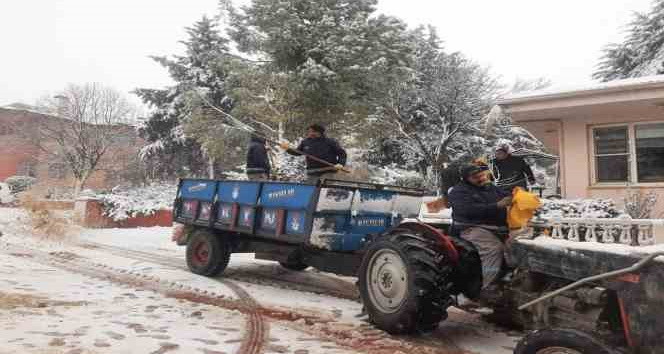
[(207, 253), (401, 282), (560, 341)]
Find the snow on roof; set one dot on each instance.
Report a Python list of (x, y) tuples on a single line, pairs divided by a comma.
[(584, 88)]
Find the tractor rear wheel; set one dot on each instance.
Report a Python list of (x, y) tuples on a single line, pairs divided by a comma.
[(207, 253), (402, 282), (560, 341)]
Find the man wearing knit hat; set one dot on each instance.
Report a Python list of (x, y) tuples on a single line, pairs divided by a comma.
[(511, 171), (479, 211)]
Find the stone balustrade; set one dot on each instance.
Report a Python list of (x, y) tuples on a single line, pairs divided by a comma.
[(634, 232)]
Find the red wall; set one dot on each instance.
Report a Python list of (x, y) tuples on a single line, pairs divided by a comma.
[(89, 213)]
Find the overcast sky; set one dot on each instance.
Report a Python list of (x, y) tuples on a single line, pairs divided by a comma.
[(49, 43)]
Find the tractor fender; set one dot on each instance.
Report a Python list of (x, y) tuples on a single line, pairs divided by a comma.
[(443, 240)]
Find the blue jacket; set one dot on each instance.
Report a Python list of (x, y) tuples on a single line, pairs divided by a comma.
[(477, 205)]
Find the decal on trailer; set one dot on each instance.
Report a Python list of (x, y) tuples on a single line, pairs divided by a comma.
[(206, 210), (197, 188), (284, 193), (246, 216)]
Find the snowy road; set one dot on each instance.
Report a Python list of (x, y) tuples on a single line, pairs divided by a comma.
[(128, 291)]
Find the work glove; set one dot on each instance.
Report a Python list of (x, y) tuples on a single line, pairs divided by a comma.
[(338, 167), (284, 145), (505, 202)]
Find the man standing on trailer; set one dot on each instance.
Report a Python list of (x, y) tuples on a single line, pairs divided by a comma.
[(258, 163), (318, 145)]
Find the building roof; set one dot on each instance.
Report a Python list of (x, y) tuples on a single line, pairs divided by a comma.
[(656, 81)]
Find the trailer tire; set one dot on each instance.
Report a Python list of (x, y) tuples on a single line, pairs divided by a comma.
[(560, 341), (296, 266), (402, 283), (207, 253)]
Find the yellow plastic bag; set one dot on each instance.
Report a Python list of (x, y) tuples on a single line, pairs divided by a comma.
[(523, 208)]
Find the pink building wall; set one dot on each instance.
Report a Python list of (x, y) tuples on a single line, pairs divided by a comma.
[(575, 147)]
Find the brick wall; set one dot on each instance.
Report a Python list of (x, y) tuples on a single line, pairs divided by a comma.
[(18, 128), (89, 213)]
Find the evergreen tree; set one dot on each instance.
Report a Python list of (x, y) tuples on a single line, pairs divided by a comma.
[(178, 110), (642, 52), (320, 52)]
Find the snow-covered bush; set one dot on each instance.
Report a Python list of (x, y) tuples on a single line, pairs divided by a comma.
[(393, 175), (579, 208), (121, 204), (20, 184), (640, 205)]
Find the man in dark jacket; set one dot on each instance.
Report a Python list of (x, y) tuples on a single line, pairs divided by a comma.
[(511, 171), (479, 212), (318, 145), (258, 163)]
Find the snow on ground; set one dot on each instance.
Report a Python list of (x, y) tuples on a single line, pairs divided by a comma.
[(111, 308), (81, 315)]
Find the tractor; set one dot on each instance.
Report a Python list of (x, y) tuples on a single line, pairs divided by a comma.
[(410, 270)]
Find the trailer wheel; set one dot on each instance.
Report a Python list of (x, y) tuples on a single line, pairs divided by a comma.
[(294, 265), (401, 283), (207, 254), (560, 341)]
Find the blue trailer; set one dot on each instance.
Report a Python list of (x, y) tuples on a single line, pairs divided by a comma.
[(298, 225)]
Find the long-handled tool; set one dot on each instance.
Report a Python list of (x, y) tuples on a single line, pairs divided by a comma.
[(239, 125)]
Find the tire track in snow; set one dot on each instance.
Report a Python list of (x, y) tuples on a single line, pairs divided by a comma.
[(345, 290), (363, 338), (257, 330)]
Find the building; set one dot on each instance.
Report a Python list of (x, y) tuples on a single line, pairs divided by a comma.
[(609, 136), (19, 155)]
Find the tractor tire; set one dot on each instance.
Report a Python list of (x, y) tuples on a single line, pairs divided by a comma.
[(207, 254), (560, 341), (297, 266), (402, 283)]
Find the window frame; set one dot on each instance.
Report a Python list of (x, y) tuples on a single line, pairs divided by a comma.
[(632, 171)]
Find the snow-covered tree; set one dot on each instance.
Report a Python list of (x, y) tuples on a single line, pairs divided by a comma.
[(320, 52), (432, 113), (200, 79), (641, 53)]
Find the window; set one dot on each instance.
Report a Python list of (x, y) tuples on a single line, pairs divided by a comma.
[(6, 130), (631, 153), (26, 168), (650, 152), (611, 154)]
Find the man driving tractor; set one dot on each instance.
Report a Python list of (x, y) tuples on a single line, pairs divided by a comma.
[(479, 211)]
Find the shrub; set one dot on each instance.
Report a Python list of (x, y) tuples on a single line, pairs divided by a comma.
[(19, 184)]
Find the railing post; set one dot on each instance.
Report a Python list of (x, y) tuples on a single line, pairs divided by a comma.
[(573, 234), (591, 235)]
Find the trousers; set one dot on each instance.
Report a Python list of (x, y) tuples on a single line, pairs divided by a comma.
[(491, 250)]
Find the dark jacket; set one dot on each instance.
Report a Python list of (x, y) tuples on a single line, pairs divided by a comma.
[(477, 205), (512, 172), (450, 177), (257, 160), (324, 148)]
